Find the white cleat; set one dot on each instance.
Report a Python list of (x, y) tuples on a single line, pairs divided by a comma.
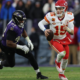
[(59, 69), (62, 77)]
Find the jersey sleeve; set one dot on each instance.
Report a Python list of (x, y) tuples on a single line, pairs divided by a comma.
[(47, 18), (11, 35), (71, 20)]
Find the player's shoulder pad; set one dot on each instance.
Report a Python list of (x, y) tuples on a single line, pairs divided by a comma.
[(70, 15), (12, 26), (49, 16)]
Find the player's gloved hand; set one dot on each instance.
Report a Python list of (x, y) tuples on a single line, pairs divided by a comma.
[(65, 25), (30, 43), (23, 48), (46, 32)]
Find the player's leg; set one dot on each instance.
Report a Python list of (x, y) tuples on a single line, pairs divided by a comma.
[(9, 57), (33, 62), (64, 63), (2, 58), (28, 55), (61, 53), (10, 60)]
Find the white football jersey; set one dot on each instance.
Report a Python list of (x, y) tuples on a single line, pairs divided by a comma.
[(56, 25)]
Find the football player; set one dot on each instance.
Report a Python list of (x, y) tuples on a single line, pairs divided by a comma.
[(10, 43), (60, 22)]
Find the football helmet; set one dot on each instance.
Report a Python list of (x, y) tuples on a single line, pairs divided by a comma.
[(19, 18), (61, 4)]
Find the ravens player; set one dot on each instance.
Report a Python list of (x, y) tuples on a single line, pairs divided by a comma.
[(10, 43)]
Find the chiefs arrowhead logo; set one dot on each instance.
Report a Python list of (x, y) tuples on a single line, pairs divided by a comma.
[(53, 19)]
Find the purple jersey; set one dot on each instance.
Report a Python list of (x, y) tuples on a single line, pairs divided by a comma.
[(13, 27)]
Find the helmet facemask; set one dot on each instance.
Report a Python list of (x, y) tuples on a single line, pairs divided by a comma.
[(21, 25), (19, 18), (60, 11)]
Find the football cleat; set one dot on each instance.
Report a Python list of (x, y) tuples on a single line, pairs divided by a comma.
[(40, 76), (62, 77), (59, 69), (1, 65), (2, 57)]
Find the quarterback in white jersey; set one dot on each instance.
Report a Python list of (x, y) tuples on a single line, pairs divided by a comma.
[(60, 22), (56, 25)]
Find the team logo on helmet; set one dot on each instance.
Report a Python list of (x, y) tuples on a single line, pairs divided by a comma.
[(65, 4)]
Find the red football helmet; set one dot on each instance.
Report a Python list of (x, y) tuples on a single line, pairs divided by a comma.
[(62, 3)]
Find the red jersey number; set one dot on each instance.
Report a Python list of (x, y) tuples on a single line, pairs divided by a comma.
[(62, 31)]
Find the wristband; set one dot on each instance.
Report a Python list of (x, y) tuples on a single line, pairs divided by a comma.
[(69, 30), (27, 38), (44, 29)]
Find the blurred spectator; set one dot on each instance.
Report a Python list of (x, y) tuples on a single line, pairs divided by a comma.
[(20, 5), (76, 4), (36, 12), (49, 7), (14, 4), (73, 47), (4, 2), (35, 40), (36, 15), (70, 5), (7, 10), (78, 34), (29, 0), (42, 2), (28, 7)]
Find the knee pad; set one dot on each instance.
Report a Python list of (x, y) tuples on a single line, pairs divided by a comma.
[(63, 53), (66, 56)]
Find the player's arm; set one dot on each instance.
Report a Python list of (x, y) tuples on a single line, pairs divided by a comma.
[(70, 28), (42, 24), (11, 35), (24, 34), (10, 38)]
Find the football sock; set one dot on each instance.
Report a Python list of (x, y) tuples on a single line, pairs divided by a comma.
[(37, 71), (32, 61), (64, 63), (60, 56)]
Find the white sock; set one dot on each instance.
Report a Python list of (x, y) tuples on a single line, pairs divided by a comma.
[(60, 56), (0, 62), (64, 63), (37, 71)]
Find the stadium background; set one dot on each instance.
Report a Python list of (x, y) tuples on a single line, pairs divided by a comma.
[(35, 10)]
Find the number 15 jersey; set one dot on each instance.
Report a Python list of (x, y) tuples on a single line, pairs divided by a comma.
[(56, 25)]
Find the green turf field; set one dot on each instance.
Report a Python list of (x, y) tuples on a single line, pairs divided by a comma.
[(27, 73)]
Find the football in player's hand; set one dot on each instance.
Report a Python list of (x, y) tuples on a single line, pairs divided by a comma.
[(50, 36)]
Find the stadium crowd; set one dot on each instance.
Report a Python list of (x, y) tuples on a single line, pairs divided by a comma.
[(35, 10)]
